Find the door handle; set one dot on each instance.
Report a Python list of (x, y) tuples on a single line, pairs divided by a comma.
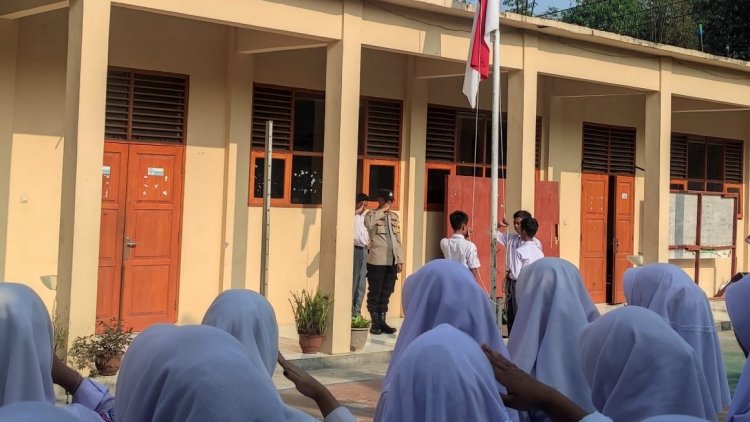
[(128, 244)]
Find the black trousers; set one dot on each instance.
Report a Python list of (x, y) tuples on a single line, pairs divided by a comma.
[(381, 280), (511, 306)]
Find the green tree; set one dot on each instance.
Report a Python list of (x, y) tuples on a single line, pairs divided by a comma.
[(523, 7), (726, 27)]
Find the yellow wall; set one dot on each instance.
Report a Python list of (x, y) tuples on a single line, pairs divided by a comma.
[(36, 160)]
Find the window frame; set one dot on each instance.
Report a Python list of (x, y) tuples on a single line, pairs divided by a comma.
[(436, 166), (286, 155), (726, 185), (367, 161)]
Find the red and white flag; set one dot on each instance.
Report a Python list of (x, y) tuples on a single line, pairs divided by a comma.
[(486, 20)]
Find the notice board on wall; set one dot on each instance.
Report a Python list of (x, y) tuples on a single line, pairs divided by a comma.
[(718, 217), (683, 219)]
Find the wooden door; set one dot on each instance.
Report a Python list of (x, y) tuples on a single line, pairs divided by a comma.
[(594, 207), (114, 178), (624, 209), (547, 214), (472, 196), (144, 290)]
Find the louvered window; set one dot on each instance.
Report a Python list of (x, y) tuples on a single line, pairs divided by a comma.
[(143, 106), (298, 131), (704, 164), (608, 149), (459, 142), (379, 146), (538, 144)]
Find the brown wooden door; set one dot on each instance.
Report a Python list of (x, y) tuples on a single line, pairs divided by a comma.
[(547, 214), (624, 208), (594, 207), (114, 178), (147, 247), (472, 196)]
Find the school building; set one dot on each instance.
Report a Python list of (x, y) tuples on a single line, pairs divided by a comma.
[(132, 133)]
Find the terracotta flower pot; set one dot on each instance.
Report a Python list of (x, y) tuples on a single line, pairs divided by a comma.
[(107, 365), (310, 344), (359, 338)]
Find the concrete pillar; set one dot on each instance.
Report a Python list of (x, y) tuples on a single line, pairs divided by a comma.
[(343, 61), (8, 54), (239, 93), (80, 213), (658, 135), (415, 143), (522, 98)]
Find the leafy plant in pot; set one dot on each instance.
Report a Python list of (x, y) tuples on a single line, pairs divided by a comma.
[(360, 328), (311, 318), (103, 350)]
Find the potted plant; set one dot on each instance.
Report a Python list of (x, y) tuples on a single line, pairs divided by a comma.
[(104, 350), (360, 328), (311, 318)]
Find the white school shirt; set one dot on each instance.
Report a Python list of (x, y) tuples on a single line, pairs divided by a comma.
[(526, 254), (457, 248), (512, 241), (361, 235)]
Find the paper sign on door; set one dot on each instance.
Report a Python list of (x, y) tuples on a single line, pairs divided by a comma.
[(156, 171)]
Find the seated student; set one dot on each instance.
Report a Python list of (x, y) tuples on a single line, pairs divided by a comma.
[(524, 254), (444, 377), (249, 318), (636, 365), (553, 309), (737, 299), (442, 292), (458, 247), (28, 366), (668, 291), (193, 374)]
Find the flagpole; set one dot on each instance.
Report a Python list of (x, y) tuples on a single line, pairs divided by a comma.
[(494, 168)]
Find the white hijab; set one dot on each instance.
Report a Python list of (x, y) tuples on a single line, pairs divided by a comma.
[(34, 412), (249, 317), (553, 309), (26, 347), (738, 307), (667, 290), (638, 367), (443, 292), (192, 374), (444, 376)]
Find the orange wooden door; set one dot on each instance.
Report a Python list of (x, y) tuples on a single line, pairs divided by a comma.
[(114, 178), (139, 250), (624, 208), (472, 196), (594, 207), (547, 214)]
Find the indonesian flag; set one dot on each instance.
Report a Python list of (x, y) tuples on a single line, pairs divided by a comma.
[(486, 20)]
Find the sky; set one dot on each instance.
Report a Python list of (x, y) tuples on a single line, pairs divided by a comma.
[(543, 5)]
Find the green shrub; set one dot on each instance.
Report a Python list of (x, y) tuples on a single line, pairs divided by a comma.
[(310, 312), (359, 321)]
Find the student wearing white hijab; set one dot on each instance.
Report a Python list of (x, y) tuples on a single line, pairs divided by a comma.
[(26, 358), (553, 309), (34, 412), (443, 376), (249, 318), (192, 374), (443, 292), (638, 367), (667, 290), (738, 307)]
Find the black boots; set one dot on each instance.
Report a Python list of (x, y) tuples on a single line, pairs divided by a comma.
[(387, 329), (375, 324)]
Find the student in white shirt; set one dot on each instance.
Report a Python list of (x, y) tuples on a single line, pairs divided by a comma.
[(458, 247), (525, 253)]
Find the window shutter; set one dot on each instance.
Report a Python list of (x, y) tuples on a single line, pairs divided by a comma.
[(678, 157), (158, 107), (272, 104), (622, 151), (733, 162), (117, 118), (383, 129), (595, 149), (145, 107), (441, 134)]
